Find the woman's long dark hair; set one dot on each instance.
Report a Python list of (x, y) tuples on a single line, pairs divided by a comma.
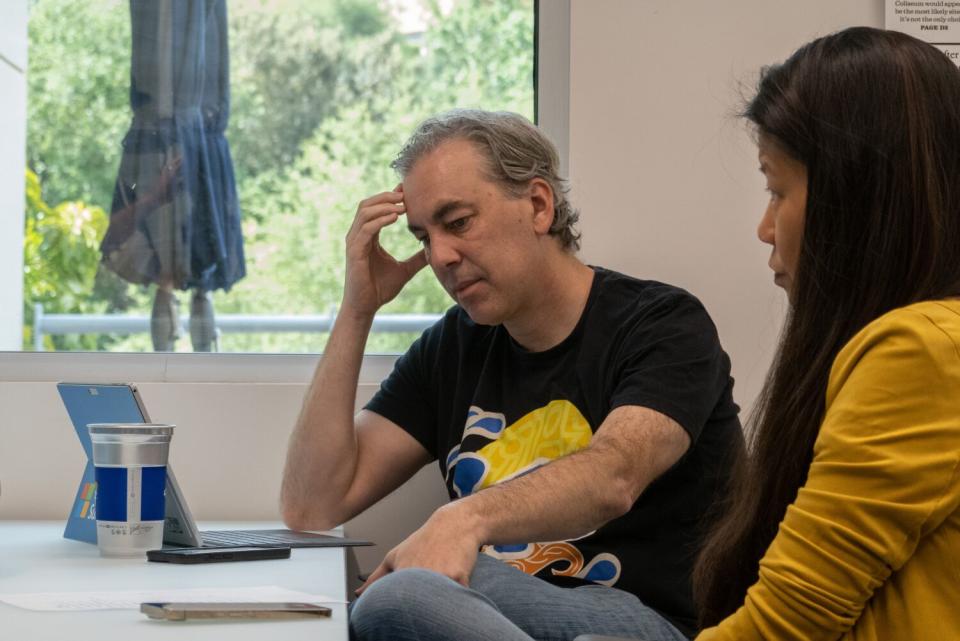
[(875, 118)]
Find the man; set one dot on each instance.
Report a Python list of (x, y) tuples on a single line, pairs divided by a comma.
[(583, 420)]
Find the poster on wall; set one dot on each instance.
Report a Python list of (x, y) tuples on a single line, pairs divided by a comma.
[(933, 21)]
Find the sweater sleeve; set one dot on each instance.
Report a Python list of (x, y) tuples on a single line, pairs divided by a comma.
[(884, 474)]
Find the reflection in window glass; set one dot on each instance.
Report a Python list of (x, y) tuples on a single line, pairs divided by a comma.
[(320, 97)]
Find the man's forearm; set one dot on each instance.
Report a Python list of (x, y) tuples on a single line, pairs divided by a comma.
[(564, 499), (322, 455), (577, 494)]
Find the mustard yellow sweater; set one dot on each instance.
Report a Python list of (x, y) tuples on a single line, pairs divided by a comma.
[(870, 549)]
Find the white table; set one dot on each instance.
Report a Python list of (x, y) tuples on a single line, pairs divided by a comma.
[(35, 558)]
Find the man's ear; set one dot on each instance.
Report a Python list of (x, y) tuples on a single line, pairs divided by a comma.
[(541, 197)]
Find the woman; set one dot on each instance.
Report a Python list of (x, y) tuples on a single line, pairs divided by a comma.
[(844, 523)]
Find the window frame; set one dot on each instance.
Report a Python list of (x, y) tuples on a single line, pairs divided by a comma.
[(552, 100)]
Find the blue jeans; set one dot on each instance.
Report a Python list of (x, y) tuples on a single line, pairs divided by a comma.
[(501, 604)]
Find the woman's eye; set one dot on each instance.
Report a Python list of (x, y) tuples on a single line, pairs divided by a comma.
[(458, 223)]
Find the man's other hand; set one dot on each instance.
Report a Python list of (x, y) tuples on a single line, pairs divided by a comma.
[(374, 277), (446, 544)]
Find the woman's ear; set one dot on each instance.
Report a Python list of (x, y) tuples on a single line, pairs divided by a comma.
[(541, 198)]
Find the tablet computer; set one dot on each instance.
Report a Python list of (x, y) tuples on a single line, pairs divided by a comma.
[(121, 403)]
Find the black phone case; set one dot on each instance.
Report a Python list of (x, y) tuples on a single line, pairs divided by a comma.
[(216, 555)]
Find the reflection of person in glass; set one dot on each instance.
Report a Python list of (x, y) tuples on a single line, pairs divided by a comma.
[(175, 219), (123, 221), (122, 246)]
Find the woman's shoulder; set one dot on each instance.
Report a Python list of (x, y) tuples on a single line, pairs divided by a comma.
[(943, 312), (930, 321), (919, 339)]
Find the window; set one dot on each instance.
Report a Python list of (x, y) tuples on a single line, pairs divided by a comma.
[(321, 96)]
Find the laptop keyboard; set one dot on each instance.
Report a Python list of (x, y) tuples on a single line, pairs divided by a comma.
[(263, 538)]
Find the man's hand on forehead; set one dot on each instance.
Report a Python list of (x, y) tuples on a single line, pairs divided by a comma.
[(374, 277)]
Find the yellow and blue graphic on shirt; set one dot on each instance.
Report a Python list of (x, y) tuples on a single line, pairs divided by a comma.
[(508, 451)]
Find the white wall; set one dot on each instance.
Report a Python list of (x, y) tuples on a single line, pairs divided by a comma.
[(13, 119), (664, 173)]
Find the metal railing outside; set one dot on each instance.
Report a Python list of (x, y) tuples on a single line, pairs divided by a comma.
[(59, 324)]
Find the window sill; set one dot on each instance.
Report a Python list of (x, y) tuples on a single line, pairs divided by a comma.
[(111, 367)]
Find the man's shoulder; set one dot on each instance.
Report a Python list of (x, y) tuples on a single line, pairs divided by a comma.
[(632, 294)]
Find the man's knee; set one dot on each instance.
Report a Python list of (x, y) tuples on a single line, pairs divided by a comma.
[(396, 602)]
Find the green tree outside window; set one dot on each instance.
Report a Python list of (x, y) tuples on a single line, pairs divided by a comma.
[(323, 95)]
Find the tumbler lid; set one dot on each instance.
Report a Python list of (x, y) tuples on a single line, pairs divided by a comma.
[(131, 428)]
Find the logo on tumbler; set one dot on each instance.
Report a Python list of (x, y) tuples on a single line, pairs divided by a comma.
[(86, 509)]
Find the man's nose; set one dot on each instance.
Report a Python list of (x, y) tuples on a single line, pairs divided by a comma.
[(443, 252)]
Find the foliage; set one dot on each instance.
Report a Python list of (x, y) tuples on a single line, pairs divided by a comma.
[(323, 95), (61, 254), (78, 80), (472, 57), (290, 72)]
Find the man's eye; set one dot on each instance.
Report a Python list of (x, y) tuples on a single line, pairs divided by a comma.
[(457, 224)]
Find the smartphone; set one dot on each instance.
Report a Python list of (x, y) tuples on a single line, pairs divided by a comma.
[(184, 611), (216, 555)]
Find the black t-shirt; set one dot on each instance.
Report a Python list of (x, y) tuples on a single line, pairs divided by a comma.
[(489, 410)]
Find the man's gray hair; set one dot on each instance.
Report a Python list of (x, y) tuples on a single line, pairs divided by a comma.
[(515, 150)]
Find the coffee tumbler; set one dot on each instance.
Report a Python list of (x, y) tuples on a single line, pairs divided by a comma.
[(130, 461)]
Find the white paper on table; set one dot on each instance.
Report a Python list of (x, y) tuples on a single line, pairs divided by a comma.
[(131, 599)]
